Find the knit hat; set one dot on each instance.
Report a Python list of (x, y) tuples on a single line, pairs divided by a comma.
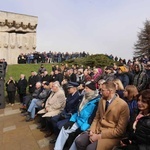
[(123, 68), (90, 85)]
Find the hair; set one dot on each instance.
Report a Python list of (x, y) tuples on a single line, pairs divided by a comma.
[(145, 96), (56, 83), (110, 85), (132, 91), (119, 83), (101, 81)]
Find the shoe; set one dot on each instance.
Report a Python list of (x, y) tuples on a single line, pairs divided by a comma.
[(39, 127), (53, 141), (48, 134), (23, 111), (28, 118), (43, 129), (25, 114)]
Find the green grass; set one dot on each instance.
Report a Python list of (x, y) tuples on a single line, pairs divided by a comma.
[(16, 70)]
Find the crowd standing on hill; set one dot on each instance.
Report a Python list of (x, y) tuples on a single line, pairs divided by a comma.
[(89, 108)]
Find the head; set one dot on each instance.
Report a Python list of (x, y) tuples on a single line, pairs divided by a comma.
[(118, 83), (90, 88), (55, 86), (22, 76), (130, 92), (108, 69), (45, 84), (38, 85), (72, 87), (108, 90), (100, 83), (143, 99)]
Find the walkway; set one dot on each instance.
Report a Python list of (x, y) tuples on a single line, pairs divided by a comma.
[(17, 134)]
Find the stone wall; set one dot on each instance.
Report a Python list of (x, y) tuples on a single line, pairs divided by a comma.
[(17, 35)]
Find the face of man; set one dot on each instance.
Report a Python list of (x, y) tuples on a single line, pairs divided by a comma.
[(105, 92), (71, 90), (54, 88)]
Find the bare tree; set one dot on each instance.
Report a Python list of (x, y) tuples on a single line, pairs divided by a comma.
[(142, 46)]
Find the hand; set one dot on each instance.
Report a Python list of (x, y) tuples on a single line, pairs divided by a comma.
[(68, 125), (94, 137), (125, 142)]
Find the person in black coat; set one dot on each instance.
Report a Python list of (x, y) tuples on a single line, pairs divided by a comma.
[(31, 82), (11, 86), (138, 134), (21, 87)]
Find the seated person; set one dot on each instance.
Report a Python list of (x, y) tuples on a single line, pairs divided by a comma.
[(81, 119), (109, 124), (27, 99), (54, 105), (37, 102), (139, 133), (72, 102)]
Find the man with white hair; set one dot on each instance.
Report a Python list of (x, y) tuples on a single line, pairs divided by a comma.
[(54, 105), (37, 102)]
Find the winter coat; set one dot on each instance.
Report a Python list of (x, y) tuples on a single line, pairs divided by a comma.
[(11, 86), (54, 104), (85, 117)]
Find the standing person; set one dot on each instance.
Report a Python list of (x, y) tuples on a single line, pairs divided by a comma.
[(31, 82), (109, 124), (11, 86), (21, 86), (140, 78)]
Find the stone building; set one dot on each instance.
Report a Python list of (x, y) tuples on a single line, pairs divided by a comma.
[(17, 35)]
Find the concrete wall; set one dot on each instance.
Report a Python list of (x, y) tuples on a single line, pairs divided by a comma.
[(17, 35)]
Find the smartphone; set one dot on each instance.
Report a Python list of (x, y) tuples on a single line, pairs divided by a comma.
[(125, 141)]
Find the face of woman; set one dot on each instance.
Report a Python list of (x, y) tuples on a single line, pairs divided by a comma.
[(125, 93), (142, 105)]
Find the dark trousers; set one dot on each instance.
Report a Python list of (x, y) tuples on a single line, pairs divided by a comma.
[(83, 143), (11, 97), (21, 97)]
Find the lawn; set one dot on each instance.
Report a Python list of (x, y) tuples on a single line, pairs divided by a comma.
[(16, 70)]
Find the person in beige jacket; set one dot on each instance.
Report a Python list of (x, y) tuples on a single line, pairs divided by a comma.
[(109, 124), (55, 102)]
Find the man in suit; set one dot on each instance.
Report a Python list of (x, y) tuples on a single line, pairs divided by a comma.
[(109, 124)]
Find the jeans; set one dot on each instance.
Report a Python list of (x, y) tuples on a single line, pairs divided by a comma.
[(32, 107)]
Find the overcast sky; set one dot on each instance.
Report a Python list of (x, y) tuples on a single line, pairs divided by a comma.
[(94, 26)]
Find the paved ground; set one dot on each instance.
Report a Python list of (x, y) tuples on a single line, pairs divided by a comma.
[(17, 134)]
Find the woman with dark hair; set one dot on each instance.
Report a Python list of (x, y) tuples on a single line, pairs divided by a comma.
[(139, 134)]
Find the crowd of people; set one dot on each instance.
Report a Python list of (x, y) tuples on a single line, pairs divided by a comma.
[(88, 108), (50, 57)]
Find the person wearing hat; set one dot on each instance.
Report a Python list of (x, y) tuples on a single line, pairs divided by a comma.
[(81, 119), (72, 102), (109, 74), (121, 74)]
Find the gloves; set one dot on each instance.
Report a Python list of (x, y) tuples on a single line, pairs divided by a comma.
[(68, 125)]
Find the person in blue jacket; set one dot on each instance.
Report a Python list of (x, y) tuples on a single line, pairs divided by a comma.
[(81, 120)]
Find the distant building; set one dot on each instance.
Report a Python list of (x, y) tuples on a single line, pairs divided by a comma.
[(17, 35)]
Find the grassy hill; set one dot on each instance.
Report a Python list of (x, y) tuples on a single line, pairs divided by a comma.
[(16, 70)]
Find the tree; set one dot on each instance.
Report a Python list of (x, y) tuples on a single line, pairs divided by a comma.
[(142, 46)]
